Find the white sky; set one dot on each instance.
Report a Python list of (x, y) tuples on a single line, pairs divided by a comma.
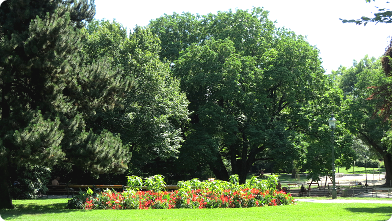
[(339, 43)]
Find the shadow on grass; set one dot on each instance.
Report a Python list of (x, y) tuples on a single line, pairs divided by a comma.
[(386, 210), (32, 208)]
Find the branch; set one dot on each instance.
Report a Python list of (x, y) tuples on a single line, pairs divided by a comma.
[(372, 143)]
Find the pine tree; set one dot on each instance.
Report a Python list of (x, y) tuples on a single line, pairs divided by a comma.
[(49, 96)]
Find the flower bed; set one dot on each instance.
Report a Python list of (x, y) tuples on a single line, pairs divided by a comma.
[(192, 194), (185, 199)]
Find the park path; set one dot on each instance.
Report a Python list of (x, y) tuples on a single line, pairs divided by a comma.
[(344, 201)]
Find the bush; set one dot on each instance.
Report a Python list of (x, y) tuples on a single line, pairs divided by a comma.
[(156, 183), (368, 163), (30, 181)]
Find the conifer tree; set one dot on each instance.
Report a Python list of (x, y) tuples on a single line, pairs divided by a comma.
[(50, 97)]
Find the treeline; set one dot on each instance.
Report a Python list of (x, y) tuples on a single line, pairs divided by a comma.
[(186, 96)]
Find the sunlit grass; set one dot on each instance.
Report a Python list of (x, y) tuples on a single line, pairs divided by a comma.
[(359, 170), (54, 209)]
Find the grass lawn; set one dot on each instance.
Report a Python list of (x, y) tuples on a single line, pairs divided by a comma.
[(54, 209), (359, 170)]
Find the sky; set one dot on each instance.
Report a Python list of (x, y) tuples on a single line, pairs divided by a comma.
[(339, 43)]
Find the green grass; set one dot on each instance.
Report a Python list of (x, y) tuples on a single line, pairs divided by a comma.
[(287, 178), (359, 170), (48, 209)]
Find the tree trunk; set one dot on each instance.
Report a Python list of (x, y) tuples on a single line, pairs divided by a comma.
[(5, 196), (233, 159), (388, 169), (243, 170), (294, 173), (219, 169)]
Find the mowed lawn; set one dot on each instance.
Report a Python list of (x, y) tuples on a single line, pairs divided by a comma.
[(54, 209)]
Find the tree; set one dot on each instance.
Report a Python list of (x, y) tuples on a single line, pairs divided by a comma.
[(383, 15), (177, 32), (50, 96), (359, 111), (381, 91), (246, 83), (380, 98), (154, 111)]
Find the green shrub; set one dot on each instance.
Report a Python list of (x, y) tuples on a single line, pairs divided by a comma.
[(368, 163), (30, 181), (134, 182)]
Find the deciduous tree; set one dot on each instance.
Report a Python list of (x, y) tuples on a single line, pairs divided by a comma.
[(359, 110), (246, 81), (154, 111)]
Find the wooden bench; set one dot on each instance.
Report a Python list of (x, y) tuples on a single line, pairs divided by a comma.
[(167, 187), (289, 185), (74, 188), (313, 183), (57, 190)]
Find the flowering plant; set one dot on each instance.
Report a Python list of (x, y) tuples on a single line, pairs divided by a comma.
[(192, 194), (186, 199)]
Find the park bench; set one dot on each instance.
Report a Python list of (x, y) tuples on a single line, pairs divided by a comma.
[(57, 190), (289, 185), (72, 189), (96, 188), (313, 183), (168, 187)]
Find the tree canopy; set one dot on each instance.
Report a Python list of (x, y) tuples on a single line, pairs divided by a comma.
[(154, 111), (358, 110), (50, 97), (246, 82)]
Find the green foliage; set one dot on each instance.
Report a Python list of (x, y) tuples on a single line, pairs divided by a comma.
[(247, 82), (268, 184), (191, 194), (52, 97), (77, 201), (155, 183), (154, 110), (368, 163), (234, 179), (383, 15), (360, 107), (29, 181), (134, 182)]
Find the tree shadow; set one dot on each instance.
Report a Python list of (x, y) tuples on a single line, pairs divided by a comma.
[(31, 209), (374, 210)]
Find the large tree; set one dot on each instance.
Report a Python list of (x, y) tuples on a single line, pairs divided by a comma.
[(320, 140), (246, 81), (357, 83), (50, 96), (154, 111)]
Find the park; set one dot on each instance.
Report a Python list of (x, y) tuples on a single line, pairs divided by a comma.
[(220, 116)]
